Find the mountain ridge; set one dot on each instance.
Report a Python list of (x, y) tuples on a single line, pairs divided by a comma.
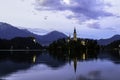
[(108, 40), (8, 31)]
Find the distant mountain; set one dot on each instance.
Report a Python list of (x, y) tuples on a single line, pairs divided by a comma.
[(38, 31), (52, 36), (8, 31), (109, 40)]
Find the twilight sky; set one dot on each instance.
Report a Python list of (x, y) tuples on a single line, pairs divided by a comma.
[(92, 18)]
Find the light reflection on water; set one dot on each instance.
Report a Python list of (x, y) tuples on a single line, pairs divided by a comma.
[(43, 66)]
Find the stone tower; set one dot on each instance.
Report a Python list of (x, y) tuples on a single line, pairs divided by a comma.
[(75, 35)]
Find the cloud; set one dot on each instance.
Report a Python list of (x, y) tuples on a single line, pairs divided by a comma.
[(82, 10), (111, 28), (94, 25)]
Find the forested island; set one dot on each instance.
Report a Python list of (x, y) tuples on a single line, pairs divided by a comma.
[(64, 44), (67, 45)]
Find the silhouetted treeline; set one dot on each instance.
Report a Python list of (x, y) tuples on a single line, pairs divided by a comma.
[(113, 46), (81, 44), (20, 43)]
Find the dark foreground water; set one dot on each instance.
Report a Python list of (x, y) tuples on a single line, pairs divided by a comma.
[(45, 66)]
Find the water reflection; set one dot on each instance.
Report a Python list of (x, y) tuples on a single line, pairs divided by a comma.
[(34, 58), (84, 65), (13, 61)]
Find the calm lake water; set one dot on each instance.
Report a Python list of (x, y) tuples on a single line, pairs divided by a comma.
[(45, 66)]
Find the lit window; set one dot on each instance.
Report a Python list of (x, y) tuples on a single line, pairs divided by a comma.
[(34, 40), (83, 43)]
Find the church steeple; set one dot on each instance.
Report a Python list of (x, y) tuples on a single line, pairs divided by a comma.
[(75, 35), (74, 30)]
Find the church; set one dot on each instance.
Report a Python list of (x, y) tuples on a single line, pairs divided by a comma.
[(75, 38), (75, 35)]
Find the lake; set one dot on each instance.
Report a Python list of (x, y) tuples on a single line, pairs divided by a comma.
[(36, 65)]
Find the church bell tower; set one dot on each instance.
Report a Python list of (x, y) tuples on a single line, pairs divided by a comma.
[(75, 35)]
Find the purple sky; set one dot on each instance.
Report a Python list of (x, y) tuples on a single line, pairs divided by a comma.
[(92, 18)]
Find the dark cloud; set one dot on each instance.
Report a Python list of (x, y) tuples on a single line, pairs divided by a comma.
[(110, 28), (94, 25), (82, 9)]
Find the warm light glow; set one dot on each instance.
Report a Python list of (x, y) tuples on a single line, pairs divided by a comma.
[(34, 40), (83, 56), (83, 43), (34, 58)]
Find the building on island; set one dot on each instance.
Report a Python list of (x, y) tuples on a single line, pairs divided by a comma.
[(75, 35), (75, 38)]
